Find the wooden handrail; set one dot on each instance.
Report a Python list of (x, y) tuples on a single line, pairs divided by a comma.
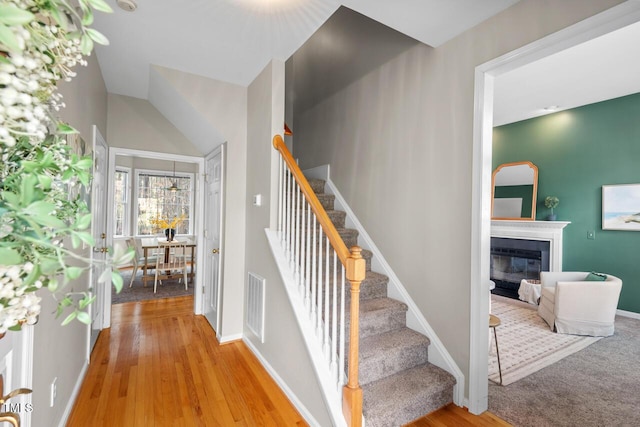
[(312, 199), (355, 271)]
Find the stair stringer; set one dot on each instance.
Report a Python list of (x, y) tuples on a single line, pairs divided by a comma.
[(332, 396), (438, 354)]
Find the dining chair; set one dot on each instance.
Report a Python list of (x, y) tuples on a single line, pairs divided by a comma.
[(170, 264), (138, 259)]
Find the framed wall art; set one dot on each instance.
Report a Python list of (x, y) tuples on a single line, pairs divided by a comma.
[(621, 207)]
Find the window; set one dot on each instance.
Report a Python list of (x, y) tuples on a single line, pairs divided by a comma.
[(155, 200), (121, 212)]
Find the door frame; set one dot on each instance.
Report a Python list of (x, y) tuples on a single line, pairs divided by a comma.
[(605, 22), (199, 212), (98, 290), (222, 150)]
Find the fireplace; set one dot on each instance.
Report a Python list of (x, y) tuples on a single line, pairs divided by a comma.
[(515, 259)]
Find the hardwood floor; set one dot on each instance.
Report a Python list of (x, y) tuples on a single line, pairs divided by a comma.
[(452, 415), (160, 365)]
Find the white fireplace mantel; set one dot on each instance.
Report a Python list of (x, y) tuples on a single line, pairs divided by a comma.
[(550, 231)]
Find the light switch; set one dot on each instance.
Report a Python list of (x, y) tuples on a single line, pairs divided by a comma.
[(257, 200)]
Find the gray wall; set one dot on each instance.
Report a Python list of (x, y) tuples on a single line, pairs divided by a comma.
[(399, 142), (61, 351), (283, 348)]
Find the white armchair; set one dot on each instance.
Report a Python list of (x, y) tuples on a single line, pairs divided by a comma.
[(571, 305)]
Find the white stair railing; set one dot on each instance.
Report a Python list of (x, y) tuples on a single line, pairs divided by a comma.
[(321, 265)]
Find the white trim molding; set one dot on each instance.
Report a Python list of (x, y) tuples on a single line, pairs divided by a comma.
[(549, 231)]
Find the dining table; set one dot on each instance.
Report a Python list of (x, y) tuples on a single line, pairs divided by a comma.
[(154, 244)]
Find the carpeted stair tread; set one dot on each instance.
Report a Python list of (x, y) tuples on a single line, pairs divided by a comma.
[(407, 395), (317, 185), (326, 200), (349, 236), (386, 354), (379, 315)]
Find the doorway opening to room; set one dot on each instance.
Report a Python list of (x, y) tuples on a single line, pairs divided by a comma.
[(487, 76), (156, 205)]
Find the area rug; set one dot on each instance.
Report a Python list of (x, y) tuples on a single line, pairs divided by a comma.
[(526, 343), (138, 292)]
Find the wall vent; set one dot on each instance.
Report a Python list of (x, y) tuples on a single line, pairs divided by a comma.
[(255, 305)]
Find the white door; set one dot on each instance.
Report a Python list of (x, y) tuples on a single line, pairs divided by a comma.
[(99, 231), (16, 368), (214, 169)]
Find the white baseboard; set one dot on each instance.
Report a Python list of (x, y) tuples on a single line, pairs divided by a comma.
[(229, 338), (283, 386), (74, 395), (630, 314)]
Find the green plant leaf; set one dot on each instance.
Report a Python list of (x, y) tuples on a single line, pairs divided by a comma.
[(84, 317), (105, 276), (86, 301), (13, 15), (53, 284), (83, 222), (11, 199), (73, 273), (97, 36), (65, 129), (100, 5), (10, 257), (86, 44), (116, 279), (69, 318), (8, 39)]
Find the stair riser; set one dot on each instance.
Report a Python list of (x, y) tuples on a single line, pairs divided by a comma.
[(374, 289), (337, 218), (389, 363), (378, 322)]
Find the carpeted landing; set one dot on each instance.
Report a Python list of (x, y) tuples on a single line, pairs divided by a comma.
[(169, 289), (596, 386)]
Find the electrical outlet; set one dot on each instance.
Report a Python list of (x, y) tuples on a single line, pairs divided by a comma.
[(591, 235), (52, 397)]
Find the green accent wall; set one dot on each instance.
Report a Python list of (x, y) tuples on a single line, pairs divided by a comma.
[(517, 192), (577, 152)]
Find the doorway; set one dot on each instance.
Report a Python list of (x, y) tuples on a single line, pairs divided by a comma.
[(485, 75), (198, 211)]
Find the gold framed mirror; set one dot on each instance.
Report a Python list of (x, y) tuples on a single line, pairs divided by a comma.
[(514, 189)]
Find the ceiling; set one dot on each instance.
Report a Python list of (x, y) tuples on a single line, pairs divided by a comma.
[(604, 68), (233, 40)]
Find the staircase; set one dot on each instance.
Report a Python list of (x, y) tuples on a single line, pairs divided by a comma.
[(399, 384)]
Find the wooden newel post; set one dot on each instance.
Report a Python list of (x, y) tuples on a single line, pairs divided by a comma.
[(352, 393)]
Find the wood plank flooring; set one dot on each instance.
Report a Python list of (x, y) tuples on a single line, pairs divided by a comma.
[(160, 365)]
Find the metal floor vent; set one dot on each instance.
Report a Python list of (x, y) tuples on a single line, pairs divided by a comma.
[(255, 305)]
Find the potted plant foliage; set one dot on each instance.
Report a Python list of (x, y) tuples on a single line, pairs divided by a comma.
[(551, 202), (42, 228)]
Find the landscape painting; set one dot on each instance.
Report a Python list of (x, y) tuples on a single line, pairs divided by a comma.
[(621, 207)]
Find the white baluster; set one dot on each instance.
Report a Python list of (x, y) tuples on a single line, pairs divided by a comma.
[(307, 261), (314, 272), (326, 302), (302, 254), (320, 285), (334, 320), (280, 194), (341, 357)]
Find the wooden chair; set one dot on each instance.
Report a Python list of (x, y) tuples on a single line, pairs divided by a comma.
[(170, 264), (138, 259)]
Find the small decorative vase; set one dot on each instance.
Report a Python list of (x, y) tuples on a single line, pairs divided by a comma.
[(551, 217), (170, 233)]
